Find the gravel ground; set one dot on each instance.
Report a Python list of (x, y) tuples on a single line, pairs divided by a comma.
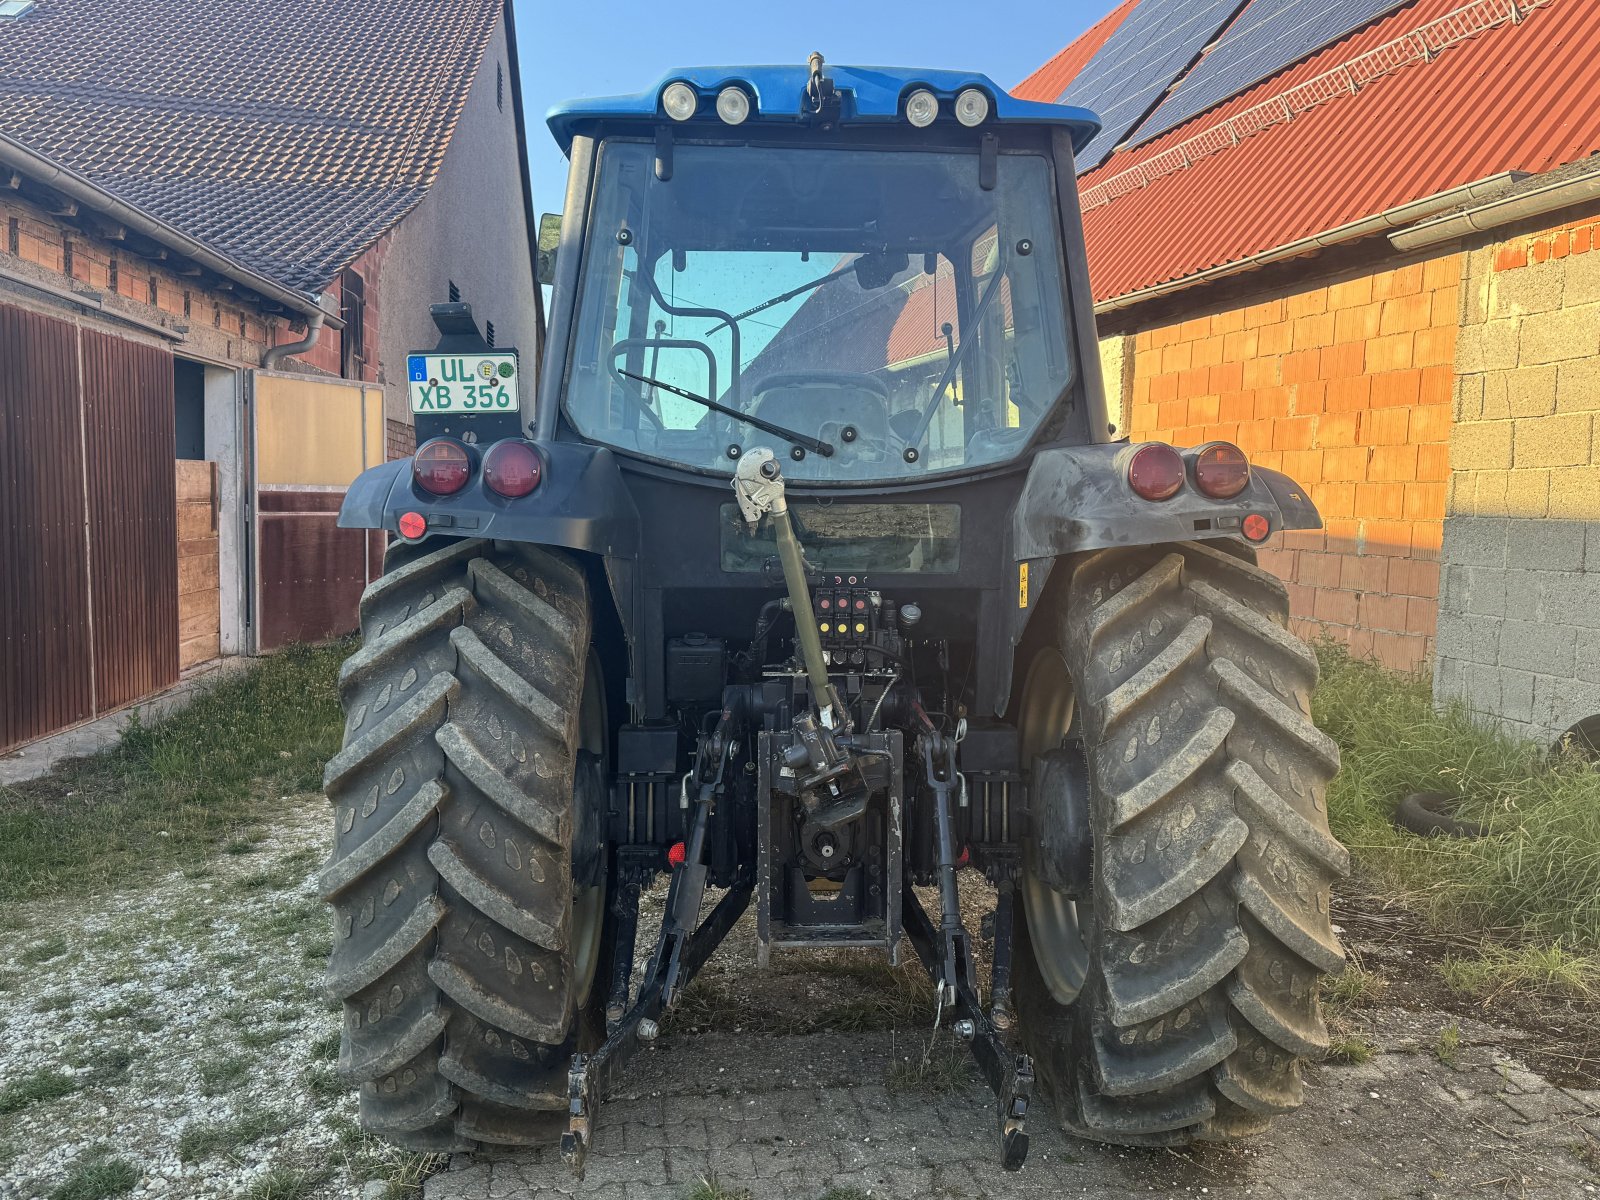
[(180, 1028)]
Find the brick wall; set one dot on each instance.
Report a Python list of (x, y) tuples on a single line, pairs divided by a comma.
[(328, 354), (401, 439), (30, 235), (1345, 387), (1519, 636)]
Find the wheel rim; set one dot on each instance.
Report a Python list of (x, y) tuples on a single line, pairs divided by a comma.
[(1054, 924), (589, 903)]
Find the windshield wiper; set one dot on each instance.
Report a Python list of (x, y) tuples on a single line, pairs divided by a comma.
[(799, 439), (776, 300)]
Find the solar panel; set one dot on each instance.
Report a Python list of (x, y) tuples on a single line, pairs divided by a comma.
[(1268, 36), (1128, 75)]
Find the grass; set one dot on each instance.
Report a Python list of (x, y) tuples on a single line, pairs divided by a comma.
[(1352, 1049), (218, 1075), (42, 952), (939, 1070), (36, 1088), (208, 1138), (711, 1189), (281, 1181), (1549, 972), (1351, 988), (326, 1047), (1448, 1048), (97, 1175), (175, 792), (1531, 882)]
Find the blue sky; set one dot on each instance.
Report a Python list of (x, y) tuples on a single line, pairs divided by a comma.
[(602, 47)]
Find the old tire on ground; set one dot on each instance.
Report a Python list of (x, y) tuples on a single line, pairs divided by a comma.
[(463, 945), (1429, 814), (1205, 924)]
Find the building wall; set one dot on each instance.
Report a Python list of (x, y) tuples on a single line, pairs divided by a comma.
[(469, 229), (1519, 632), (1345, 385)]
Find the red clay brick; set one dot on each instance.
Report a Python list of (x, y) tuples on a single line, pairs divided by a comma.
[(1392, 352), (1433, 462), (1380, 501), (1313, 332), (1385, 427), (1293, 433), (1203, 410), (1319, 570), (1207, 351), (1226, 377), (1413, 577), (1446, 310), (1301, 599), (1273, 401), (1401, 652), (1179, 356), (1227, 321), (1402, 281), (1351, 292), (1306, 304), (1337, 429), (1357, 324), (1343, 360), (1406, 314), (1540, 251), (1193, 382), (1340, 608), (1430, 423), (1394, 388), (1393, 464), (1425, 501), (1391, 538), (1303, 466), (1363, 573), (1345, 465), (1582, 239), (1302, 366), (1422, 616), (1379, 611), (1263, 372), (1438, 385), (1194, 329), (1344, 535), (1246, 343), (1311, 540), (1254, 436), (1237, 406), (1433, 347), (1427, 537), (1172, 412), (1349, 395), (1277, 338), (1333, 499)]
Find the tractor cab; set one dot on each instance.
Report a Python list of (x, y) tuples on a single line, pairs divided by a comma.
[(865, 269)]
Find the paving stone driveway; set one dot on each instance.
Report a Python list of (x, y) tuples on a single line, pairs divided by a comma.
[(789, 1118)]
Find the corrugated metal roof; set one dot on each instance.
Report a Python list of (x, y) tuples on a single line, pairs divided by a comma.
[(1050, 80), (1516, 97)]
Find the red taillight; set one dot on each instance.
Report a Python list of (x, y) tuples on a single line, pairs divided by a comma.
[(1156, 471), (441, 467), (677, 854), (512, 469), (413, 525), (1221, 470)]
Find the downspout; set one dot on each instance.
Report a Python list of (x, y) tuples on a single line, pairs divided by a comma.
[(1536, 202), (1391, 218), (276, 354)]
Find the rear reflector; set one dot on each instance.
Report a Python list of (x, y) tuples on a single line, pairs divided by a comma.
[(677, 854), (1256, 527), (1156, 471), (441, 467), (512, 469), (413, 525), (1221, 470)]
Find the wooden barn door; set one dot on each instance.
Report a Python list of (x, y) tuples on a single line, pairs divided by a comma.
[(312, 438), (88, 555)]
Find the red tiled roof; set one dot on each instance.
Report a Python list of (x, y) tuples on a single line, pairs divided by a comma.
[(1050, 80), (285, 135), (1520, 96)]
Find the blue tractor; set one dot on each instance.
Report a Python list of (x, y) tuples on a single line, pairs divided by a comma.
[(816, 571)]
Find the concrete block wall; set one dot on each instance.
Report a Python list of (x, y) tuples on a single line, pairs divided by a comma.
[(1346, 386), (1519, 620)]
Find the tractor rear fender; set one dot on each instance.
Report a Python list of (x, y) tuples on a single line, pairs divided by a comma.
[(1077, 498), (580, 504)]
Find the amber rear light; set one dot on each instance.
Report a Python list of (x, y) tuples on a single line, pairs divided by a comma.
[(441, 467), (512, 469), (1156, 471), (1221, 470)]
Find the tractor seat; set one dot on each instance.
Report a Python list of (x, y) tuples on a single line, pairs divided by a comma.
[(806, 401)]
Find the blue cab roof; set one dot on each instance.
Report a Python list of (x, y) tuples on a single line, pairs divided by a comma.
[(868, 95)]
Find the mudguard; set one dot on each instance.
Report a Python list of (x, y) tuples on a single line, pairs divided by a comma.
[(580, 504), (1077, 498)]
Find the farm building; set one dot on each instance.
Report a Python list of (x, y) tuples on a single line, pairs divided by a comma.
[(1362, 240), (212, 266)]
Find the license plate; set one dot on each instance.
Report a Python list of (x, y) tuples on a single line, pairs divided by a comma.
[(462, 383)]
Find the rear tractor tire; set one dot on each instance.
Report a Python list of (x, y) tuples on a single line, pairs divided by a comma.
[(1173, 995), (467, 911)]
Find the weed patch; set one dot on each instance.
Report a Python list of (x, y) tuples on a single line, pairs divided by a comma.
[(97, 1176), (218, 1075), (1549, 972), (1531, 881), (37, 1088), (326, 1047), (1351, 1049), (223, 1137), (174, 792), (42, 952), (1448, 1048), (281, 1181), (712, 1189), (939, 1071)]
